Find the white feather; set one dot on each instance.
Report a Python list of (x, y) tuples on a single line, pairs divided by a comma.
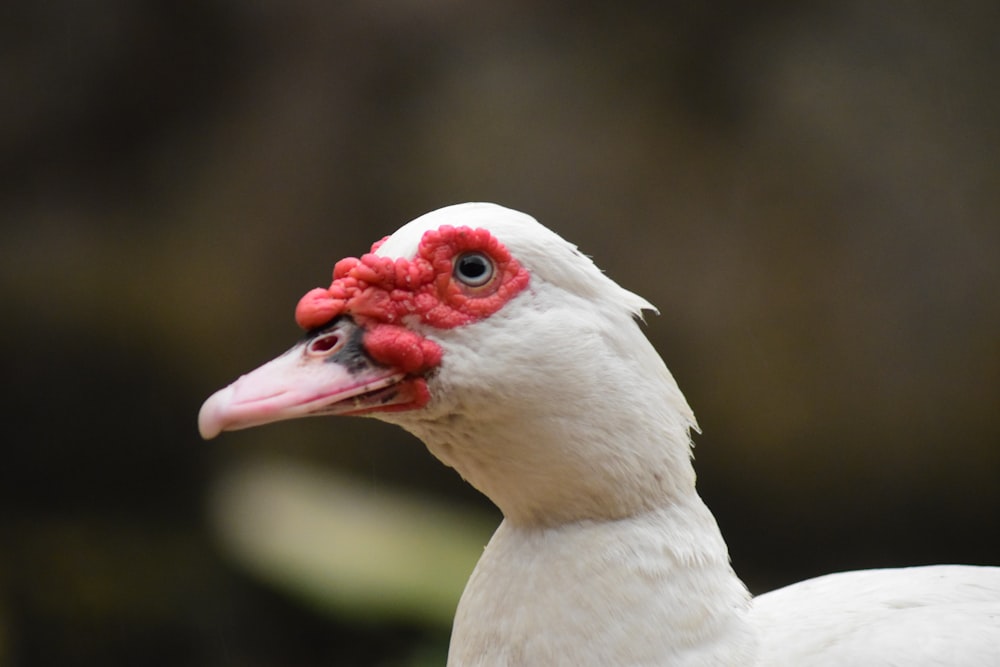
[(559, 409)]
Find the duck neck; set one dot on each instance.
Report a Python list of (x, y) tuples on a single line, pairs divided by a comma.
[(545, 466), (652, 588)]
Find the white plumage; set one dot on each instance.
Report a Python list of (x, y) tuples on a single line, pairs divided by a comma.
[(558, 408)]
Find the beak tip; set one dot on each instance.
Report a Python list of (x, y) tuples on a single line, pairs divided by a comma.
[(210, 419)]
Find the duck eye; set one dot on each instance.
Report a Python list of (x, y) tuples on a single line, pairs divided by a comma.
[(473, 269)]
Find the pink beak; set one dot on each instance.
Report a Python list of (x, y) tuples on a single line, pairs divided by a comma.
[(328, 373)]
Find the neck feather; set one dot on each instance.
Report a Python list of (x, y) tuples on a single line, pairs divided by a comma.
[(654, 588), (593, 430)]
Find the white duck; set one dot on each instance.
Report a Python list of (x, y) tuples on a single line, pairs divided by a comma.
[(522, 366)]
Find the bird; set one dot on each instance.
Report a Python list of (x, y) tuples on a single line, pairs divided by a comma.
[(525, 368)]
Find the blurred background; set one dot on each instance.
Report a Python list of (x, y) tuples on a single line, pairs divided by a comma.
[(809, 192)]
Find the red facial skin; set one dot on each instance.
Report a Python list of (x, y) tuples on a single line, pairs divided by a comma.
[(381, 293)]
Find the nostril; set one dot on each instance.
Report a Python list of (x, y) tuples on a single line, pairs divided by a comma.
[(324, 344)]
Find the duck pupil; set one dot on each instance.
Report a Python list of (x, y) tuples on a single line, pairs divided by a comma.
[(473, 267)]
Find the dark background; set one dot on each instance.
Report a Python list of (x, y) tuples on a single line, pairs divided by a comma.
[(809, 192)]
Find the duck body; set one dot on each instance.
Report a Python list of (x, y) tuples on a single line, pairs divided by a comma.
[(522, 366), (660, 610), (930, 616)]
